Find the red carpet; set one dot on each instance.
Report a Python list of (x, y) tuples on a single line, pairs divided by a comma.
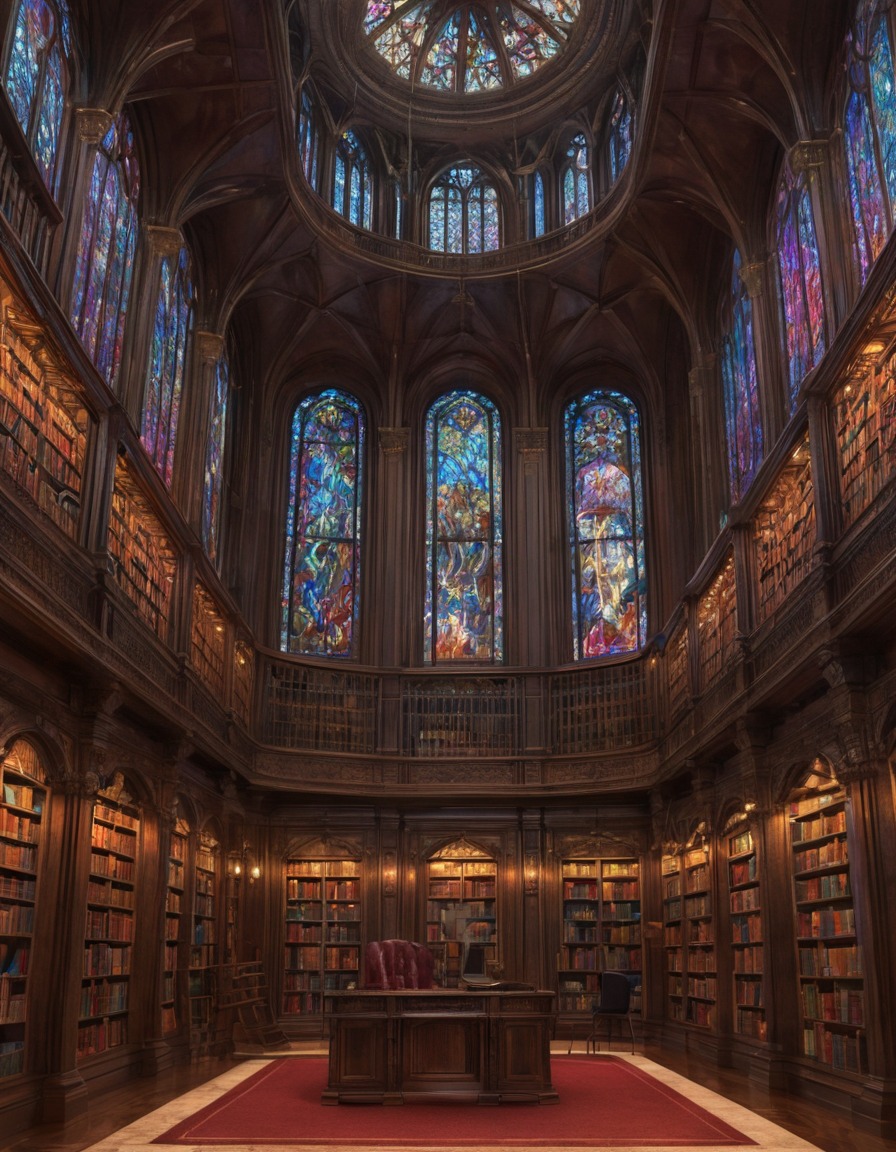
[(603, 1102)]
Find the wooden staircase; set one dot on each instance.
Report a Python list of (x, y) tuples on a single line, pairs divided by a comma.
[(244, 1008)]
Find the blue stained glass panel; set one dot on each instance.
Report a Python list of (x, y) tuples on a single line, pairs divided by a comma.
[(539, 204), (214, 459), (321, 582), (167, 362), (743, 421), (105, 259), (463, 615), (621, 136), (309, 145), (799, 269), (464, 213), (870, 135), (576, 185), (606, 525), (37, 79)]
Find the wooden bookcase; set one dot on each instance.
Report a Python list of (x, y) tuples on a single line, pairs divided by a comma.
[(109, 933), (700, 951), (673, 946), (204, 944), (601, 929), (461, 909), (322, 933), (22, 806), (175, 901), (832, 998), (747, 949)]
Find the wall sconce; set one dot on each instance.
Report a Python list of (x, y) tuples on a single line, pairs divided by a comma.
[(238, 864), (254, 873), (530, 873), (749, 806), (390, 873)]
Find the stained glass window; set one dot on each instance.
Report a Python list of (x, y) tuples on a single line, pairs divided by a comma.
[(323, 531), (620, 136), (309, 140), (463, 616), (799, 268), (214, 459), (576, 180), (105, 259), (743, 422), (468, 47), (37, 79), (539, 227), (167, 362), (605, 506), (352, 192), (870, 133), (463, 212)]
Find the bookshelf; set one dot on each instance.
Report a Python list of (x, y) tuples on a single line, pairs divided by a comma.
[(461, 909), (22, 807), (204, 943), (672, 935), (747, 951), (832, 1000), (175, 899), (109, 933), (700, 951), (601, 929), (322, 933)]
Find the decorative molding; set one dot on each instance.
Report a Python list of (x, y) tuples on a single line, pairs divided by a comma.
[(164, 242), (93, 124), (210, 345), (531, 444), (806, 155), (751, 275), (394, 441)]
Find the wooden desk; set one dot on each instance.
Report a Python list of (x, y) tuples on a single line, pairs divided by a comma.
[(439, 1044)]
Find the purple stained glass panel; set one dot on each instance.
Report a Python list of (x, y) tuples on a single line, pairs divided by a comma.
[(37, 79), (870, 136), (323, 537), (464, 213), (743, 423), (620, 141), (576, 184), (606, 525), (800, 279), (105, 258), (463, 613), (167, 362), (465, 46), (214, 459)]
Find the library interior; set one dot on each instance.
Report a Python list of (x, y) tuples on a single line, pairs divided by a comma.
[(448, 496)]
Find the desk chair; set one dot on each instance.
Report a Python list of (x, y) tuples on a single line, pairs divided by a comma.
[(614, 1004)]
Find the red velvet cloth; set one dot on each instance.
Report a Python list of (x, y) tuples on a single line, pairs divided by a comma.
[(396, 964)]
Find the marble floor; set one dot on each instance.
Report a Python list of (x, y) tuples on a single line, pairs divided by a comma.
[(138, 1136)]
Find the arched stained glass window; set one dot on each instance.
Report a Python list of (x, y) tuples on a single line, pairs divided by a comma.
[(605, 506), (352, 191), (309, 140), (214, 459), (799, 270), (323, 530), (575, 180), (468, 47), (743, 421), (167, 362), (37, 79), (463, 618), (105, 260), (620, 136), (539, 219), (463, 212), (870, 133)]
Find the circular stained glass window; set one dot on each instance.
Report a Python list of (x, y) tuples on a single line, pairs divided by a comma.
[(471, 47)]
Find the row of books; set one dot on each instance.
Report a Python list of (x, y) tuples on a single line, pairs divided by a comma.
[(748, 961), (621, 890), (114, 895), (830, 887), (17, 888), (113, 867), (115, 816), (100, 1037), (825, 922), (12, 1001), (748, 992), (106, 960), (742, 871), (14, 961), (320, 867), (843, 1051), (822, 961), (25, 829), (704, 989), (751, 1024), (108, 924), (701, 960), (746, 929), (103, 999), (834, 852), (23, 796), (828, 824), (16, 918), (744, 900), (846, 1005)]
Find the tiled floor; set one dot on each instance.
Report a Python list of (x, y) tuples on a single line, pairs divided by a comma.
[(137, 1137)]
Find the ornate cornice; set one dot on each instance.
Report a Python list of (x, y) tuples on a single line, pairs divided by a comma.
[(93, 124)]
